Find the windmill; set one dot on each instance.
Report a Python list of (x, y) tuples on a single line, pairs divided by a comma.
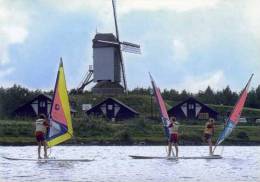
[(108, 62)]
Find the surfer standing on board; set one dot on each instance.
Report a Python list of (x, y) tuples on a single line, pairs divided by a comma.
[(208, 133), (41, 126), (173, 136)]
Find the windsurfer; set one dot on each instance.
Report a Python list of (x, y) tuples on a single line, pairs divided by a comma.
[(41, 126), (208, 133), (173, 136)]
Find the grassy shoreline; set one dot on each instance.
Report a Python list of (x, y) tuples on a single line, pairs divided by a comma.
[(29, 142), (97, 131)]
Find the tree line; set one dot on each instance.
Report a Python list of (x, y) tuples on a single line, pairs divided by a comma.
[(15, 96), (222, 97)]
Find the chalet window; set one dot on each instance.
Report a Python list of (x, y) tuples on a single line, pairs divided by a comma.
[(203, 116), (110, 107), (42, 104), (191, 106)]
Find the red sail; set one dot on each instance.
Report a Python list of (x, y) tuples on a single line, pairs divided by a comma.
[(162, 108), (235, 115)]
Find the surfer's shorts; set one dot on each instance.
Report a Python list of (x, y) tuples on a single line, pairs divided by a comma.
[(174, 138), (40, 137), (207, 136)]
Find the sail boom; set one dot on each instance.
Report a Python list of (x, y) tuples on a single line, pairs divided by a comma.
[(59, 139)]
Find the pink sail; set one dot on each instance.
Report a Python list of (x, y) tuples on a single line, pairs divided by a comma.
[(162, 107), (235, 114)]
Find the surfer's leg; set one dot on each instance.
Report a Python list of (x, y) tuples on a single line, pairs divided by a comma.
[(45, 149), (169, 149), (176, 148), (175, 142), (39, 150), (210, 147)]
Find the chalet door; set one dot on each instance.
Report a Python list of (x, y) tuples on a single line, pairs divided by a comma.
[(191, 111), (42, 107), (110, 111)]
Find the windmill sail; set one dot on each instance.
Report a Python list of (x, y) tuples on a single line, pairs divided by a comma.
[(163, 111), (60, 119), (235, 115), (131, 48)]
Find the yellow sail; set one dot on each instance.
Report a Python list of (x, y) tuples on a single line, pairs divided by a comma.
[(60, 118)]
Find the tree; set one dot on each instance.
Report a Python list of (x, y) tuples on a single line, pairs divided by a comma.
[(172, 95), (185, 95), (208, 96), (227, 97), (257, 95), (140, 91), (251, 99), (13, 97)]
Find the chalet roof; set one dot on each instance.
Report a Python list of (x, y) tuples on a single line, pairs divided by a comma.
[(115, 100), (194, 100), (48, 97)]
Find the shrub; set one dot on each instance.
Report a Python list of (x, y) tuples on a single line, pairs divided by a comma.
[(123, 136), (242, 135), (92, 126)]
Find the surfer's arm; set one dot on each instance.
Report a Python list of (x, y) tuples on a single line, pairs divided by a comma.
[(46, 124)]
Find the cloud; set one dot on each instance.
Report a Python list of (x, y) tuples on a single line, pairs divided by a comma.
[(180, 52), (180, 37), (3, 74), (13, 27), (6, 72), (13, 30), (102, 9), (126, 6), (252, 15), (14, 33), (99, 9), (195, 83)]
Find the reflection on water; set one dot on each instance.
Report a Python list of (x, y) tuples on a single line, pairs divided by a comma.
[(113, 164)]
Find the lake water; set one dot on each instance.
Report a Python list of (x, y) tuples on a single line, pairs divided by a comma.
[(112, 164)]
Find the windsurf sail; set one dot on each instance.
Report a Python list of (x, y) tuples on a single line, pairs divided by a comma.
[(60, 128), (163, 111), (235, 115)]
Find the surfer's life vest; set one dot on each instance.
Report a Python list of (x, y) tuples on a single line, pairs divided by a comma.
[(40, 126), (174, 128), (209, 128)]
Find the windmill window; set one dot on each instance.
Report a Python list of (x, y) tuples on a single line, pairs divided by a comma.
[(110, 107)]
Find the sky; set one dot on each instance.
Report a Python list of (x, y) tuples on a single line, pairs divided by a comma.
[(186, 44)]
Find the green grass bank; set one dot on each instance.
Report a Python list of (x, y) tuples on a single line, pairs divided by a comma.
[(97, 131)]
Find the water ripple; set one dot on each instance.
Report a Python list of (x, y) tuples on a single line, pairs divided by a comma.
[(112, 164)]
